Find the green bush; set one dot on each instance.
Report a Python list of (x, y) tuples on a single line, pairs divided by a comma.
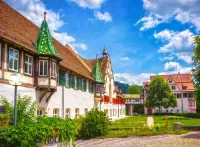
[(138, 108), (26, 109), (94, 124), (42, 131), (4, 119)]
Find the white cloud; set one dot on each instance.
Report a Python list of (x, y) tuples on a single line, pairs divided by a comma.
[(148, 22), (81, 46), (103, 16), (34, 10), (167, 58), (172, 66), (177, 44), (184, 11), (92, 4), (124, 58), (144, 77)]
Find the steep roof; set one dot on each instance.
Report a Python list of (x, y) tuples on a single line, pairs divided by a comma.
[(14, 27), (97, 72), (183, 81)]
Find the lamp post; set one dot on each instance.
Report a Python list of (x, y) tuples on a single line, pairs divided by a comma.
[(16, 79)]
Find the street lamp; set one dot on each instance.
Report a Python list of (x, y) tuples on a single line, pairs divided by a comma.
[(16, 79)]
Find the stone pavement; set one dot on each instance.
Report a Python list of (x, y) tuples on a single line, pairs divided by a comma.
[(186, 140), (150, 121)]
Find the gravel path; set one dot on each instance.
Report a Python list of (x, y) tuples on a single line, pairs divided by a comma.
[(186, 140)]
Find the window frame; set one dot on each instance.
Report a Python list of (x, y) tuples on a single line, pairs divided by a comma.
[(67, 79), (43, 68), (28, 63), (53, 69), (98, 88), (0, 54), (42, 110), (173, 87), (10, 48), (54, 114), (68, 113), (77, 112)]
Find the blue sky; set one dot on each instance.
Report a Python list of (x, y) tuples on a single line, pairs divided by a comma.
[(143, 37)]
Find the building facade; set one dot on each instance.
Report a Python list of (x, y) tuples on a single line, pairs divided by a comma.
[(63, 83), (183, 88)]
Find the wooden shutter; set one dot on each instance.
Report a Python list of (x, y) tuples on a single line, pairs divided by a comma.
[(84, 85), (62, 80)]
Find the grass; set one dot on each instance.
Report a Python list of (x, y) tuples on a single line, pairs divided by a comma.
[(171, 119)]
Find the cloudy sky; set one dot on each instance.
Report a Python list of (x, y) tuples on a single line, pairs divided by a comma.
[(143, 37)]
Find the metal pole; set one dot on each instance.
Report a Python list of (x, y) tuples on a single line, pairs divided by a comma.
[(15, 105)]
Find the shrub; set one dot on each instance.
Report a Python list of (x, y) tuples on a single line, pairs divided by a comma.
[(95, 124), (138, 108), (43, 131), (4, 119), (26, 109)]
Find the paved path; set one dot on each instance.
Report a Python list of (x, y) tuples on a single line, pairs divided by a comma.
[(187, 140), (150, 121)]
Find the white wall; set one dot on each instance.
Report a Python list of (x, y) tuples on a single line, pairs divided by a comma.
[(7, 91), (72, 99)]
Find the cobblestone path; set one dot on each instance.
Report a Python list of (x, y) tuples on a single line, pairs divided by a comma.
[(186, 140)]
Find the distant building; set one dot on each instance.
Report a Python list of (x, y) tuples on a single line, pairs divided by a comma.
[(183, 87), (132, 100)]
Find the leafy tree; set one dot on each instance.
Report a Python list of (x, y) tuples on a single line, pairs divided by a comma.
[(26, 109), (196, 71), (159, 94), (134, 89)]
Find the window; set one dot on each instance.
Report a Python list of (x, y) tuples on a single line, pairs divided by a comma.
[(84, 85), (178, 95), (40, 112), (170, 81), (90, 87), (28, 64), (62, 77), (55, 112), (185, 95), (86, 110), (173, 87), (13, 59), (110, 112), (113, 112), (190, 95), (191, 103), (53, 70), (72, 81), (0, 52), (2, 109), (43, 67), (76, 112), (98, 87), (67, 79), (67, 115), (76, 82)]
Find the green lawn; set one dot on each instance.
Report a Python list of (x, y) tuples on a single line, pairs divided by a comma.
[(129, 122), (171, 119)]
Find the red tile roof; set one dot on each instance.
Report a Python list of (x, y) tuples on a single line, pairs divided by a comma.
[(182, 80), (15, 28)]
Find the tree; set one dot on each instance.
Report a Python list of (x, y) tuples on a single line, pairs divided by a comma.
[(196, 71), (159, 94), (134, 89), (26, 109)]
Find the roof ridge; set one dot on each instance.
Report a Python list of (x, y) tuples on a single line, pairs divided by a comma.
[(77, 57)]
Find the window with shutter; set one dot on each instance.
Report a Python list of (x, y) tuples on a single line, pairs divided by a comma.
[(84, 85), (79, 83), (62, 79), (72, 81)]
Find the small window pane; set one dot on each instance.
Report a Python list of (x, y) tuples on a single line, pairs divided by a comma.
[(15, 64), (45, 68), (41, 68)]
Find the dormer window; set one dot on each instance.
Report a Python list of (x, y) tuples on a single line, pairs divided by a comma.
[(53, 73), (28, 64), (13, 59), (43, 67), (170, 81), (173, 87)]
